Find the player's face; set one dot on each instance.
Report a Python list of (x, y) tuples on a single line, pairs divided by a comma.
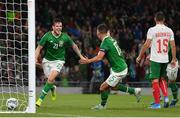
[(57, 28)]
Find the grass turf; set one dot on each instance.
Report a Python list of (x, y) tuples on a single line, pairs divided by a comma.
[(78, 105)]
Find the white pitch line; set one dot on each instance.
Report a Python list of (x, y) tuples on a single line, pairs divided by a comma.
[(65, 115)]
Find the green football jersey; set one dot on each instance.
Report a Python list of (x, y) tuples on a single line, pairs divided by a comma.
[(55, 46), (113, 54)]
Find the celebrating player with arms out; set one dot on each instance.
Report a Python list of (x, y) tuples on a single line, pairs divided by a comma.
[(158, 38), (54, 43), (111, 50)]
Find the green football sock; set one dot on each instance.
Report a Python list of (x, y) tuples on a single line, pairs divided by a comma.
[(45, 90), (126, 89), (174, 90), (104, 97)]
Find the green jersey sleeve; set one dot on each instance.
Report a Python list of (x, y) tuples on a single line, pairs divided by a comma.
[(104, 46), (43, 40), (69, 41)]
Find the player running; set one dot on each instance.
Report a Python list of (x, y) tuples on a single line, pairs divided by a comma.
[(54, 43), (110, 49)]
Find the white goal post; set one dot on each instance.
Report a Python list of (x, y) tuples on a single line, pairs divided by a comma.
[(17, 55), (31, 42)]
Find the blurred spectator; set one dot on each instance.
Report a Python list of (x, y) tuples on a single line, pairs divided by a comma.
[(75, 75), (128, 21), (97, 75)]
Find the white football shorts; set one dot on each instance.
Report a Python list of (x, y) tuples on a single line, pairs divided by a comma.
[(49, 66), (114, 78)]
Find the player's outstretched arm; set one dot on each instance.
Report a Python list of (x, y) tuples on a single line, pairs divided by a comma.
[(76, 49), (98, 57)]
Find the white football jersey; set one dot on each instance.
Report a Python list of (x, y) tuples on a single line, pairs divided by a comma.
[(160, 36)]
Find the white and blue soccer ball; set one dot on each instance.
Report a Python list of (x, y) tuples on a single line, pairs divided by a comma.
[(12, 103)]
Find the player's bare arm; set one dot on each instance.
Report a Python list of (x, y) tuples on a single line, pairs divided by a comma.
[(76, 49), (98, 57), (38, 55), (146, 45), (173, 49)]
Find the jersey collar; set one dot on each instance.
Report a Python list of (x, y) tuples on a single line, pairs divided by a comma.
[(56, 36), (159, 24), (105, 37)]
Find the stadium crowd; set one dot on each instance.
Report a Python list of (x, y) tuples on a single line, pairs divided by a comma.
[(128, 21)]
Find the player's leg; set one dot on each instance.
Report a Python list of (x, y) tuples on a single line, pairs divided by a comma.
[(116, 78), (164, 89), (163, 84), (53, 92), (130, 90), (172, 73), (174, 90), (56, 65), (125, 89), (48, 86), (154, 76), (111, 81), (51, 70), (104, 91)]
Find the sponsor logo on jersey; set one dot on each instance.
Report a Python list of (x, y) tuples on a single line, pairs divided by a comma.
[(61, 43)]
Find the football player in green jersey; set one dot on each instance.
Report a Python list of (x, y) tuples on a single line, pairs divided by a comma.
[(172, 76), (110, 49), (54, 43)]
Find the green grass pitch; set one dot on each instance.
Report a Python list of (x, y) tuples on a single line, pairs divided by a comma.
[(78, 105)]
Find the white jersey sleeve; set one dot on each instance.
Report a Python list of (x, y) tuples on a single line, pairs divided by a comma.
[(150, 34), (171, 35)]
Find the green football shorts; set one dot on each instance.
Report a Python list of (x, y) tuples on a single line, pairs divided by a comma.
[(157, 70)]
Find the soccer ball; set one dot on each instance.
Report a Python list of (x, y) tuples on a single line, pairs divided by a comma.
[(12, 103), (172, 71)]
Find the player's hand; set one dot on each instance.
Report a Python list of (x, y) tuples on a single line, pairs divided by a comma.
[(138, 59), (173, 63), (38, 60), (38, 65), (83, 58), (84, 61), (147, 61)]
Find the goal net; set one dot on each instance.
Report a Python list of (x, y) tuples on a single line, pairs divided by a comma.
[(17, 45)]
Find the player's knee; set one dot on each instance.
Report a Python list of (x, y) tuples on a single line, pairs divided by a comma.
[(101, 89), (104, 87), (155, 80), (50, 80)]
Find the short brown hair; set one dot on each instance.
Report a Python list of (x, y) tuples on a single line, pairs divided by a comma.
[(102, 28), (56, 20), (159, 16)]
